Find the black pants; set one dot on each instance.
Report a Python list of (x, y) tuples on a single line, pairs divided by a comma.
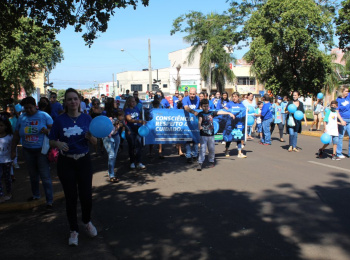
[(280, 128), (76, 179)]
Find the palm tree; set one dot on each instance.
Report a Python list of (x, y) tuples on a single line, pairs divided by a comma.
[(346, 58), (333, 79)]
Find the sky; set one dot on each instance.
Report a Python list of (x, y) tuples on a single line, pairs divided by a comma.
[(128, 29)]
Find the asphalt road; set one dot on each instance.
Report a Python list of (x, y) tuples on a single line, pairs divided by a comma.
[(273, 205)]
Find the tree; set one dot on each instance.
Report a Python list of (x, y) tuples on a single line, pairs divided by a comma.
[(343, 25), (284, 50), (214, 36), (333, 77), (25, 50), (58, 14)]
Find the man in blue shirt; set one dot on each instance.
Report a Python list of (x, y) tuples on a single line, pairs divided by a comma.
[(56, 107), (175, 98), (190, 103), (267, 118)]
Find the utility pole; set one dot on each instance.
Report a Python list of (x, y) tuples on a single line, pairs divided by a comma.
[(149, 66), (113, 94)]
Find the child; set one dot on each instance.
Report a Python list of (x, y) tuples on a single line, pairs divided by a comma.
[(258, 119), (13, 120), (206, 127), (111, 142), (267, 118), (5, 157), (331, 128)]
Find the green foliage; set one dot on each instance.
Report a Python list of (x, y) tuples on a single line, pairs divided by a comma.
[(25, 49), (214, 35), (284, 50), (343, 25), (58, 14)]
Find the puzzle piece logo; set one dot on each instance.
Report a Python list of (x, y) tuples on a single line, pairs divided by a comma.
[(237, 134), (76, 130)]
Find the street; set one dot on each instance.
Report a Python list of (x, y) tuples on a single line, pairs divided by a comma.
[(273, 205)]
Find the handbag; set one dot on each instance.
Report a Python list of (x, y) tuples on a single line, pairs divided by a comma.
[(291, 122), (46, 145)]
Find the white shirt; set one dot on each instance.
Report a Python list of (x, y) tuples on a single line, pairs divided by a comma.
[(82, 106), (5, 149)]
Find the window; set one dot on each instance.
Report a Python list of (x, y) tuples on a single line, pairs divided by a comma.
[(245, 81), (136, 87), (155, 87), (165, 85)]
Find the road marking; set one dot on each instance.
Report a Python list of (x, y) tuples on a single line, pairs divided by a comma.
[(330, 166)]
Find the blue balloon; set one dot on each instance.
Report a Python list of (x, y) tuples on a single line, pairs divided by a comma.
[(319, 95), (101, 126), (117, 98), (123, 134), (251, 110), (250, 120), (143, 130), (292, 108), (326, 138), (298, 115), (216, 126), (18, 108)]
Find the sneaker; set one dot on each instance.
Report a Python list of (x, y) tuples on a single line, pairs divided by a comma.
[(199, 167), (90, 229), (16, 166), (194, 159), (212, 165), (132, 166), (295, 150), (73, 238), (241, 156), (141, 166), (227, 154), (7, 197), (320, 153), (341, 156), (290, 149), (335, 158)]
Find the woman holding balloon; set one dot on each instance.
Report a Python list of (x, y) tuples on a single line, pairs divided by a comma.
[(70, 134), (134, 122), (296, 113)]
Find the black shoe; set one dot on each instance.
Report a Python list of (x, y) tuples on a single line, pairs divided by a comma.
[(32, 199), (320, 153), (189, 160), (194, 159), (199, 167)]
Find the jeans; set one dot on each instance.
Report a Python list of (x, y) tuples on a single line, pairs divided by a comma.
[(5, 169), (38, 166), (293, 137), (266, 131), (207, 141), (111, 145), (76, 179), (135, 147), (191, 152), (342, 130)]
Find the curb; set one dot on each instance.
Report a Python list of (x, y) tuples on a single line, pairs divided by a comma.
[(318, 134), (18, 206)]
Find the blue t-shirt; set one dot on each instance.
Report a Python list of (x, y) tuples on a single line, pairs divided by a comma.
[(55, 109), (284, 105), (193, 104), (29, 128), (165, 103), (277, 113), (221, 104), (65, 130), (249, 106), (211, 105), (266, 111), (344, 107), (175, 100), (215, 101), (135, 114), (238, 109)]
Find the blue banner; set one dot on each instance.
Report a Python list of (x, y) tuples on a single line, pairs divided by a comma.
[(171, 126)]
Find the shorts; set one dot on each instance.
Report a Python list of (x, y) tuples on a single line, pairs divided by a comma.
[(335, 139), (259, 128)]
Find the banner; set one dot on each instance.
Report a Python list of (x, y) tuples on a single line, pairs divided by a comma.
[(171, 126)]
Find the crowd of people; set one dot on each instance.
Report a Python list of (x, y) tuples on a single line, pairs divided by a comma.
[(65, 129)]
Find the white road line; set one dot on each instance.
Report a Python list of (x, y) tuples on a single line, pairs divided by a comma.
[(330, 166)]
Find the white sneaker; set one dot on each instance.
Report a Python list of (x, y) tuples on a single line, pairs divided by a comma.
[(16, 166), (132, 166), (73, 238), (141, 166), (241, 156), (341, 156), (90, 229)]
